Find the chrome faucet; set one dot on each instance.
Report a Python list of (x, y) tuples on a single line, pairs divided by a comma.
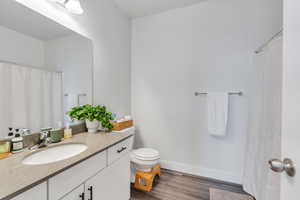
[(44, 141)]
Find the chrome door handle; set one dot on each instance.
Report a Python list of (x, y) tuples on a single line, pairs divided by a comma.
[(286, 165)]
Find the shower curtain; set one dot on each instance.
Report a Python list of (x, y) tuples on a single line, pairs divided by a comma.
[(264, 132), (29, 98)]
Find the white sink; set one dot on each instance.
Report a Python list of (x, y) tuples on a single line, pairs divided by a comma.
[(54, 154)]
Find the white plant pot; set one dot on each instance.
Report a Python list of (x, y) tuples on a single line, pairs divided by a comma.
[(92, 126)]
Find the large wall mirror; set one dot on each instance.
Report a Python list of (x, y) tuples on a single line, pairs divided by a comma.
[(45, 69)]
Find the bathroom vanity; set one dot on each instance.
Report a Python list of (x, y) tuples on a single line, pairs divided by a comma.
[(102, 171)]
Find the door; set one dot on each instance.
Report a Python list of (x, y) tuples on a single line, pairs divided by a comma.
[(113, 183), (264, 132), (290, 186), (76, 194), (284, 182)]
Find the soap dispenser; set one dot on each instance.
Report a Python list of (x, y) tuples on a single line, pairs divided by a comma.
[(67, 132)]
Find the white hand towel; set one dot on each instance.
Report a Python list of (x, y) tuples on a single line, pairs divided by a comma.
[(217, 104)]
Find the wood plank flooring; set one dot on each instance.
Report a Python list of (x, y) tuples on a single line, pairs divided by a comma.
[(177, 186)]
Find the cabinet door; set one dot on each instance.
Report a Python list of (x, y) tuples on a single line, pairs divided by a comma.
[(113, 183), (65, 182), (76, 194), (38, 192)]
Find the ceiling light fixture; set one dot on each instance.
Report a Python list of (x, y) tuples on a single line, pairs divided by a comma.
[(73, 6)]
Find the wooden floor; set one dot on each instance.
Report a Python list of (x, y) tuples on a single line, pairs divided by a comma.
[(177, 186)]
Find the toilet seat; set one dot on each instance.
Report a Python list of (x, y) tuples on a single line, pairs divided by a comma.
[(145, 154), (144, 159)]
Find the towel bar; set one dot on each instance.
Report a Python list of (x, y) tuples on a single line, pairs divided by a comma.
[(230, 93)]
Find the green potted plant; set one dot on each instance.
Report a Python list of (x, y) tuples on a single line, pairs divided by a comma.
[(93, 116)]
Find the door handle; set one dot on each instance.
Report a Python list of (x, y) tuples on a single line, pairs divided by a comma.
[(286, 165), (91, 192), (82, 196)]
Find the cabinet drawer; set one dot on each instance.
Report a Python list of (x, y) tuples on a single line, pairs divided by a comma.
[(38, 192), (66, 181), (119, 150)]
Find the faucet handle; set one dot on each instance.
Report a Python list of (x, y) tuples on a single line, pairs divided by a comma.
[(43, 135)]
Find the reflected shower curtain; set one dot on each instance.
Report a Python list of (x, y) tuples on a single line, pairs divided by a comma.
[(264, 132), (29, 98)]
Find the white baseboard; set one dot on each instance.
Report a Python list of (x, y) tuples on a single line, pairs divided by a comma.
[(201, 171)]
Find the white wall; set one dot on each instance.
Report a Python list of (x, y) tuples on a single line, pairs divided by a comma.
[(109, 30), (19, 48), (205, 47)]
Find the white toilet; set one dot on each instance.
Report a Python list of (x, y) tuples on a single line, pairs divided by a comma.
[(143, 159)]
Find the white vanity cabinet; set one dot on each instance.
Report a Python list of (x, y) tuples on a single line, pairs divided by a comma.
[(102, 176), (113, 183), (105, 175), (38, 192)]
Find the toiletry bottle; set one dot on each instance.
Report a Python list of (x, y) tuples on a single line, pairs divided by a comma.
[(114, 116), (17, 143), (68, 132), (17, 132), (4, 147)]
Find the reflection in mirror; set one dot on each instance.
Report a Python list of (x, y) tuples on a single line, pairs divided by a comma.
[(45, 69)]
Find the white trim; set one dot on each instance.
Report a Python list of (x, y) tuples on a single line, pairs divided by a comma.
[(202, 171)]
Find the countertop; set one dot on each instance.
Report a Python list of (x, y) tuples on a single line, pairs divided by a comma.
[(16, 177)]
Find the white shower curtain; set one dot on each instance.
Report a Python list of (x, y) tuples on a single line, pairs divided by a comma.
[(264, 133), (29, 98)]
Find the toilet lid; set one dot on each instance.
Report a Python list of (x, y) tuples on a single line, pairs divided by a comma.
[(146, 154)]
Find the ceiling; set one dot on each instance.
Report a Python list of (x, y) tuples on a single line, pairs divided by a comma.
[(22, 19), (139, 8)]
